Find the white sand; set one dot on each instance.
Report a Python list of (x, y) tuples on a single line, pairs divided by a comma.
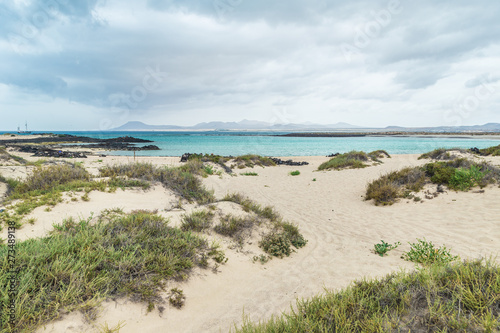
[(341, 228)]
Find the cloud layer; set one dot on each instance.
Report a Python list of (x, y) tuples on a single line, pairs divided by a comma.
[(96, 64)]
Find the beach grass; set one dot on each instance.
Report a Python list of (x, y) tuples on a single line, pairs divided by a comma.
[(453, 297), (181, 180), (80, 264), (198, 221), (252, 160), (353, 160)]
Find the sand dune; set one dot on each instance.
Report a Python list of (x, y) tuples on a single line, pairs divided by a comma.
[(340, 226)]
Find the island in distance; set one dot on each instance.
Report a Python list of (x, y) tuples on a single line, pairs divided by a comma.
[(249, 125)]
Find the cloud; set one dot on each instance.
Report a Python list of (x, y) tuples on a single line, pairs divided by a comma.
[(233, 56)]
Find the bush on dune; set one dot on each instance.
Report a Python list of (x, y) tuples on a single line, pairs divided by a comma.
[(388, 188)]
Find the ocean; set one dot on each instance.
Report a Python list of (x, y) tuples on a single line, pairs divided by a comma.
[(267, 144)]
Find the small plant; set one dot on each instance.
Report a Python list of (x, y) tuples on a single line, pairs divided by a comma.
[(382, 248), (177, 298), (295, 173), (85, 197), (424, 252), (314, 179), (208, 169), (249, 174), (104, 328), (262, 259)]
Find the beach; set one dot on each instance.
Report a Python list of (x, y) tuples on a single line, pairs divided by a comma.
[(330, 211)]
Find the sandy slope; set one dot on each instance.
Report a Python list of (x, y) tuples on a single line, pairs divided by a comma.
[(340, 226)]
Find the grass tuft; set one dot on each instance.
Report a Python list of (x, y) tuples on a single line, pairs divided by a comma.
[(197, 221)]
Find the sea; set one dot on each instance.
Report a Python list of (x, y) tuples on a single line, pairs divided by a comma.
[(232, 143)]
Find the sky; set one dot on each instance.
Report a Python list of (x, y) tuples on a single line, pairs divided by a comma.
[(96, 64)]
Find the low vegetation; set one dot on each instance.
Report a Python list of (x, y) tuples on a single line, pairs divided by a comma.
[(197, 221), (182, 180), (238, 228), (388, 188), (382, 248), (240, 162), (249, 161), (443, 154), (249, 174), (353, 160), (424, 252), (458, 297), (493, 151), (457, 174), (295, 173), (81, 264), (46, 184), (280, 238)]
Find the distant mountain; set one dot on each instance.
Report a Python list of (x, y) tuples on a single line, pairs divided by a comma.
[(489, 127), (261, 125), (140, 126), (241, 125)]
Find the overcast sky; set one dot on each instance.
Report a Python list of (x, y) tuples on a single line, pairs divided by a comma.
[(96, 64)]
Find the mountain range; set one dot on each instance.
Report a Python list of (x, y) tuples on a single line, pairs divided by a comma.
[(240, 125), (246, 125)]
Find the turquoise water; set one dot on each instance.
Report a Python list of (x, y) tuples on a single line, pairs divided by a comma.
[(240, 143)]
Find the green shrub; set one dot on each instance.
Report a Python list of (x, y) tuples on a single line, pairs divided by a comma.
[(295, 173), (439, 172), (292, 233), (382, 248), (464, 179), (276, 244), (424, 252)]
